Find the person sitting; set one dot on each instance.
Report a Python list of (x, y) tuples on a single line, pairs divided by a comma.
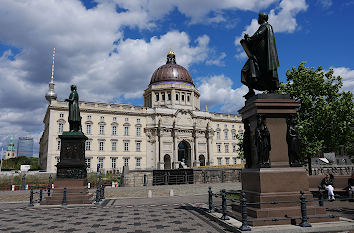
[(327, 184), (350, 187)]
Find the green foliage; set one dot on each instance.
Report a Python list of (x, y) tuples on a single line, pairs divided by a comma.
[(239, 144), (326, 115), (15, 163)]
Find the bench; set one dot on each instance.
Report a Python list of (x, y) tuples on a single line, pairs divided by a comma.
[(340, 183)]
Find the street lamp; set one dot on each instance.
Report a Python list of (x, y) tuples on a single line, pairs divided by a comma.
[(2, 152)]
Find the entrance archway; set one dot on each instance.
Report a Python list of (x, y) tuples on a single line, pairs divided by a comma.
[(202, 160), (167, 162), (184, 153)]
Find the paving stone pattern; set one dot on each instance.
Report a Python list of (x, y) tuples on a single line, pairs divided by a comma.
[(127, 217)]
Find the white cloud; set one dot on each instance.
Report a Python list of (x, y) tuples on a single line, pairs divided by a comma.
[(83, 39), (217, 61), (348, 77), (325, 4), (218, 91), (197, 10), (282, 18)]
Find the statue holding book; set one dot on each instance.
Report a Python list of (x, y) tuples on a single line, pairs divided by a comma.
[(260, 71)]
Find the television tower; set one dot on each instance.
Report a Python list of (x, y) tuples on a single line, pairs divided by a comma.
[(51, 95)]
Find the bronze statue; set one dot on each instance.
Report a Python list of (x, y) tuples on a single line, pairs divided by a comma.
[(260, 71), (74, 110), (262, 142), (246, 144), (293, 142)]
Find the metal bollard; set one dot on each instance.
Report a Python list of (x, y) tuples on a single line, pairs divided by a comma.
[(211, 207), (102, 192), (320, 198), (243, 202), (304, 218), (97, 202), (223, 205), (64, 197), (40, 194), (48, 191), (31, 198)]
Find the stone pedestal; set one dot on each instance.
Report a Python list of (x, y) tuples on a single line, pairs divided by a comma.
[(280, 182), (71, 172)]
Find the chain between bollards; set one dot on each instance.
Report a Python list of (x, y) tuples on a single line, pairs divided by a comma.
[(304, 218), (211, 207), (64, 197), (223, 205), (243, 201), (31, 197)]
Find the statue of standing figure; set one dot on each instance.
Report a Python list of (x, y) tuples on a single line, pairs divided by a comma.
[(262, 142), (260, 71), (74, 110), (293, 141)]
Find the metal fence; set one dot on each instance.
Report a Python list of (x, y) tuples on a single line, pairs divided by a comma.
[(243, 203)]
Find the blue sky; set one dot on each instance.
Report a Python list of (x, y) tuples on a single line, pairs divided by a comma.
[(110, 49)]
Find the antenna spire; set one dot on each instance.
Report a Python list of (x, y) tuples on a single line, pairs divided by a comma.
[(52, 77)]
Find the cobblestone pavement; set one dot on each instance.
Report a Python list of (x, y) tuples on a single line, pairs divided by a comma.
[(118, 215), (157, 191)]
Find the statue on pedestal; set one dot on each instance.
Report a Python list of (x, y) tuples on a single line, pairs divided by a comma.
[(74, 110), (262, 142), (260, 71), (293, 141)]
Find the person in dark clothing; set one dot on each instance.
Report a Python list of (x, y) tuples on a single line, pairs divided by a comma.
[(327, 184)]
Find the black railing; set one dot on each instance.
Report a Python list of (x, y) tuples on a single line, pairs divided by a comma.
[(32, 199), (173, 179), (243, 203)]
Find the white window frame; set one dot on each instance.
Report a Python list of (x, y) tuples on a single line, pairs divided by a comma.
[(126, 146), (138, 146), (88, 128), (226, 148), (114, 145), (114, 163), (138, 131), (101, 131), (126, 130), (88, 163), (227, 160), (88, 145), (58, 144), (60, 127), (218, 135), (138, 162), (101, 145), (218, 148), (114, 130), (126, 162), (219, 161), (100, 162)]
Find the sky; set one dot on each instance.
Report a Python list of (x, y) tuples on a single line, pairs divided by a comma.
[(110, 48)]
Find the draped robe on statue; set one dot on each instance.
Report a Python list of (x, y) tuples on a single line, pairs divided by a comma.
[(260, 71)]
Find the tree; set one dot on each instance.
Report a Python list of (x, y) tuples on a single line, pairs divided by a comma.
[(326, 115)]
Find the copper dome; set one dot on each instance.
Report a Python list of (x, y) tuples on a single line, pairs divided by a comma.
[(171, 72)]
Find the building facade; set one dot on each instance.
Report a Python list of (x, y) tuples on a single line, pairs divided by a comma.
[(170, 131)]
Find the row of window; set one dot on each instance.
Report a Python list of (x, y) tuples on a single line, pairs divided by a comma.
[(168, 96), (61, 115), (225, 126), (227, 160), (100, 163), (114, 161), (101, 145), (218, 148), (226, 135)]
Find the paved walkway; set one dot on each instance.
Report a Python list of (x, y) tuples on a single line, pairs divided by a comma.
[(116, 215)]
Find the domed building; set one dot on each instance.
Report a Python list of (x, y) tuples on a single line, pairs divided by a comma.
[(169, 132)]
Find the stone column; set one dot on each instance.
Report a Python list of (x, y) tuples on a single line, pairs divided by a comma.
[(196, 161)]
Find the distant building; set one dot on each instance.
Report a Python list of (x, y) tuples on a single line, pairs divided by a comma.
[(10, 152), (170, 130), (25, 146)]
